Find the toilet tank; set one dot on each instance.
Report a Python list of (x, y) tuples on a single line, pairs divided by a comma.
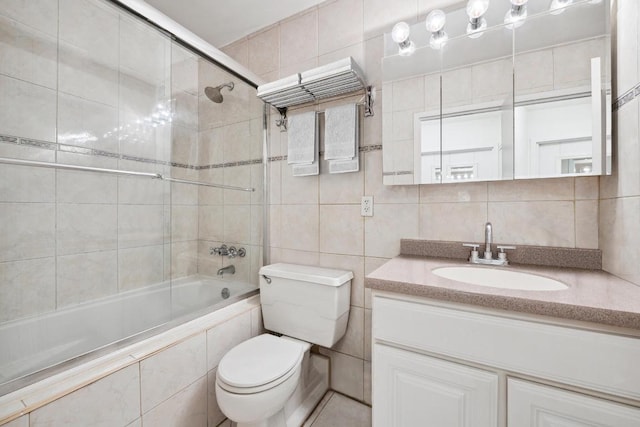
[(306, 302)]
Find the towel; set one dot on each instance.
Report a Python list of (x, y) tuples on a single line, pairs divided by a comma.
[(341, 132), (302, 130)]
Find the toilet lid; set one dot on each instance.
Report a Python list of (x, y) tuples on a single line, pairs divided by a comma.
[(259, 361)]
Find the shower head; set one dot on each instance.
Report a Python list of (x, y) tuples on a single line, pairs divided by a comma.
[(214, 93)]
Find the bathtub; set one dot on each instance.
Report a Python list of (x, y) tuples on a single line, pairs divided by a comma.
[(35, 348)]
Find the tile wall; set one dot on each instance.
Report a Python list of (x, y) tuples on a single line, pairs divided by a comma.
[(230, 137), (172, 387), (86, 84), (316, 220), (620, 193)]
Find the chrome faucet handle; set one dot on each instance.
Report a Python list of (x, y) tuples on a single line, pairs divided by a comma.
[(474, 251), (233, 252), (502, 255), (222, 250)]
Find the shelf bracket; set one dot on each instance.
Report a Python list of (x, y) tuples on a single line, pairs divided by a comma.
[(282, 121), (368, 101)]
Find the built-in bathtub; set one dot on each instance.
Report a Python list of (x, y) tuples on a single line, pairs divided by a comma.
[(35, 348)]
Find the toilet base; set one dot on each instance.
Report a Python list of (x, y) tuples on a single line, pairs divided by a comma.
[(276, 420), (312, 386)]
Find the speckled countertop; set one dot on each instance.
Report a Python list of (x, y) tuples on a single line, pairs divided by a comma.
[(592, 295)]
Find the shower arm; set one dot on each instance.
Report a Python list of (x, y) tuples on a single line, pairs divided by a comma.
[(63, 166)]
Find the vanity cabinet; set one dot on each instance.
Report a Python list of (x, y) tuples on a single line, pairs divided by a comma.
[(444, 365), (420, 388), (533, 405)]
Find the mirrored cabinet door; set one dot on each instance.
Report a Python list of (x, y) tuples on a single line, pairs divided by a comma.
[(477, 118)]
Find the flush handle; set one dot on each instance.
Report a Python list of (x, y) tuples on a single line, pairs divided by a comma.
[(266, 279)]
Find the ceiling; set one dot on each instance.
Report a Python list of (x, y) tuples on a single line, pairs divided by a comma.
[(222, 22)]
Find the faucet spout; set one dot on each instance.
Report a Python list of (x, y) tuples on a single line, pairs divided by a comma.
[(488, 239), (231, 269)]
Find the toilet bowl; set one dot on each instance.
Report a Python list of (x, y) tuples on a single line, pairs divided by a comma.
[(259, 381), (255, 379)]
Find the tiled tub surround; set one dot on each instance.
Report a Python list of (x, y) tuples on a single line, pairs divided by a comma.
[(166, 380), (592, 296), (85, 83), (82, 83)]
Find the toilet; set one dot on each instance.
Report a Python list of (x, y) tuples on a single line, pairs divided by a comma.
[(257, 379)]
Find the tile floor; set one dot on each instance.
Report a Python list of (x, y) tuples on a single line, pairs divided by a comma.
[(337, 410)]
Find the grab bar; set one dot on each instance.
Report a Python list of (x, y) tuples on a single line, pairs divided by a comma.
[(19, 162)]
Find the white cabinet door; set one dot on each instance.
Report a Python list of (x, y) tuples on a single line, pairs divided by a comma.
[(533, 405), (414, 390)]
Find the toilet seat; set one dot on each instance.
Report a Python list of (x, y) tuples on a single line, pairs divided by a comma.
[(259, 364)]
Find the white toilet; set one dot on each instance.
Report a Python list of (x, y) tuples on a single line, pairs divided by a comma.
[(257, 378)]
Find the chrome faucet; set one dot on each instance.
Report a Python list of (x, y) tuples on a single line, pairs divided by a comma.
[(488, 239), (231, 251), (487, 257), (231, 269)]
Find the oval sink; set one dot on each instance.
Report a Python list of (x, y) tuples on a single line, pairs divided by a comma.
[(495, 278)]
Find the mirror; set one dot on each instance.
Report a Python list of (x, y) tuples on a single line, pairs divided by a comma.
[(532, 101)]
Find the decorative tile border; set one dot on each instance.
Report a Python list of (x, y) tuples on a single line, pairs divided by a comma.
[(362, 149), (626, 97), (396, 173), (101, 153)]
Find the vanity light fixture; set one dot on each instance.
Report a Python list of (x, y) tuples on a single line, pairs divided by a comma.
[(435, 23), (516, 16), (557, 6), (477, 24), (400, 35)]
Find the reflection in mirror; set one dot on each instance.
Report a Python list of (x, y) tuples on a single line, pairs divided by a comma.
[(524, 100), (562, 90)]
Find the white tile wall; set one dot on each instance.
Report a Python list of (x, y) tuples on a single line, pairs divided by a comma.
[(28, 54), (111, 401), (39, 296), (173, 369), (74, 285), (27, 110)]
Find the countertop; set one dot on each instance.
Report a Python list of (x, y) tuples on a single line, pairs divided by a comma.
[(592, 296)]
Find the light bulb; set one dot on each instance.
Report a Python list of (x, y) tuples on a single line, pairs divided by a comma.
[(435, 21), (557, 6), (477, 8), (519, 2), (400, 35), (515, 19), (400, 32), (476, 29), (438, 39)]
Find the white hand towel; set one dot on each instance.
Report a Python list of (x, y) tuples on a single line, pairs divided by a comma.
[(341, 132), (302, 136)]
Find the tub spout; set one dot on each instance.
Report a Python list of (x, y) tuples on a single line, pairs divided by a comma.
[(228, 269)]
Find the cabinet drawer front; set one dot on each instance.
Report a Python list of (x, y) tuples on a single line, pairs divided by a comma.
[(414, 390), (534, 405), (593, 360)]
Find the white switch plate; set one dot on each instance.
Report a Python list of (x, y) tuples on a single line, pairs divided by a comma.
[(366, 206)]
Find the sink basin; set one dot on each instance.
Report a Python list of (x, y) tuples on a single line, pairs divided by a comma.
[(496, 278)]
